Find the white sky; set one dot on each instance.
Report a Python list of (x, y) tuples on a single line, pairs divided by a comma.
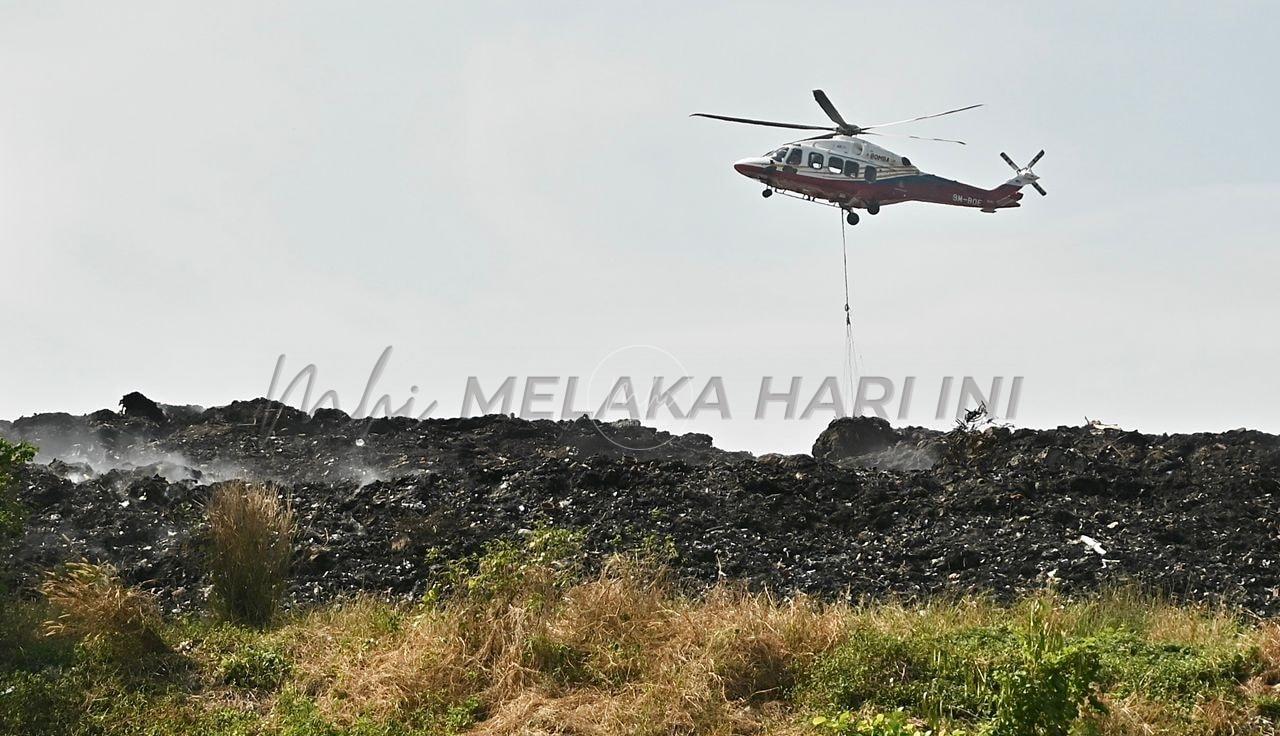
[(188, 190)]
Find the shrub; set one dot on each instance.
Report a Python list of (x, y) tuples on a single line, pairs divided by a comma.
[(251, 548), (1042, 696), (120, 622), (11, 513), (531, 571)]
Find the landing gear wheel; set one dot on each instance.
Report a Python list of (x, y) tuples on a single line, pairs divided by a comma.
[(873, 208), (767, 193), (852, 219)]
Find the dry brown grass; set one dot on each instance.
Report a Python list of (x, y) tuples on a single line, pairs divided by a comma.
[(607, 657), (1268, 640), (626, 653), (93, 605), (422, 665), (1136, 715), (251, 547), (904, 618), (526, 650)]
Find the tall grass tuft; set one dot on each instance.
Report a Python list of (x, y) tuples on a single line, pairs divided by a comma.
[(251, 548), (122, 623)]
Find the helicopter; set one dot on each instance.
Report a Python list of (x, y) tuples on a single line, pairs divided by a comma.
[(847, 172)]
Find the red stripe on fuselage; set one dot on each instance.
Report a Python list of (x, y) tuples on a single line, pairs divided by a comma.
[(909, 188)]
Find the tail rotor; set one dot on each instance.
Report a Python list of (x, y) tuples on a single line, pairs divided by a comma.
[(1025, 176)]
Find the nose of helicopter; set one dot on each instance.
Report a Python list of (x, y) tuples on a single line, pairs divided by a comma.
[(751, 167)]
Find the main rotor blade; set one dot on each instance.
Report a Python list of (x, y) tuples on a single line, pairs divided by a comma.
[(830, 109), (1039, 189), (922, 117), (1009, 161), (917, 137), (1037, 158), (749, 121)]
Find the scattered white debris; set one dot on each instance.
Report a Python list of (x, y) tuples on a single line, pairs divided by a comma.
[(1092, 544)]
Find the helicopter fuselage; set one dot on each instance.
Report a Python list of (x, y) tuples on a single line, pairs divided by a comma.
[(852, 173)]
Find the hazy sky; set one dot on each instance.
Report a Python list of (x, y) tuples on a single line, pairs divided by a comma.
[(188, 191)]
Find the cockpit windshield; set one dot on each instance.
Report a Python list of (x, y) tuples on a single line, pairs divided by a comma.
[(779, 154)]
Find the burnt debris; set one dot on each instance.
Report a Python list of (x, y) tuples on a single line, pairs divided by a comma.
[(877, 510), (134, 404)]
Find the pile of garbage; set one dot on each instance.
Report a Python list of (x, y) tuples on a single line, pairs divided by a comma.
[(383, 504)]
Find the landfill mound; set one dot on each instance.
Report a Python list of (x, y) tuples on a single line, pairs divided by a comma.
[(383, 504)]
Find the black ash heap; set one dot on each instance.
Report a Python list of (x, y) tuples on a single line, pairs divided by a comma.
[(875, 510)]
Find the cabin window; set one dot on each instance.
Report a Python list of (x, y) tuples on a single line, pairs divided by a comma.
[(850, 168), (793, 157), (779, 154), (869, 173), (815, 160), (834, 164)]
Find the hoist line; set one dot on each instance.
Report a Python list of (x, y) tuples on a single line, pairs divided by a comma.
[(849, 363)]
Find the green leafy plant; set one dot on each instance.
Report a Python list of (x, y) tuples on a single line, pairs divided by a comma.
[(1042, 695), (533, 570), (11, 512), (896, 723)]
